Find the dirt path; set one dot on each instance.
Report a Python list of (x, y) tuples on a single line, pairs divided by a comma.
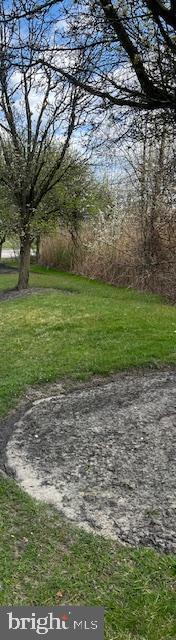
[(104, 453)]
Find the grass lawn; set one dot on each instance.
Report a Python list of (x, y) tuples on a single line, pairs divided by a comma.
[(96, 329)]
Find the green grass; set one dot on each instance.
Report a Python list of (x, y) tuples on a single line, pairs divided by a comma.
[(42, 556), (97, 329)]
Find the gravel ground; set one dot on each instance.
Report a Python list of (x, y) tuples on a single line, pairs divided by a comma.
[(103, 453)]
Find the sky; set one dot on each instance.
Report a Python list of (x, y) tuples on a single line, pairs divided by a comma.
[(106, 148)]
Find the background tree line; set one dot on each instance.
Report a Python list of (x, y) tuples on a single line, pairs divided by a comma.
[(103, 72)]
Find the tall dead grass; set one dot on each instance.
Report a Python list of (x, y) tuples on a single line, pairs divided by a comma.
[(114, 250)]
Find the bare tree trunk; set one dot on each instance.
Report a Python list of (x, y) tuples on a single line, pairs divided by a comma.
[(25, 247), (2, 240), (37, 248)]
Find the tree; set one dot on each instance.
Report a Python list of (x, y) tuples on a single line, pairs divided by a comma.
[(34, 108), (81, 196), (124, 50), (150, 170), (76, 197), (7, 216)]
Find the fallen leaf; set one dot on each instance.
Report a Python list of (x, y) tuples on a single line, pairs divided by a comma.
[(59, 595)]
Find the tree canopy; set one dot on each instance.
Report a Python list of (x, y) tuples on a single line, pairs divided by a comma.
[(123, 51)]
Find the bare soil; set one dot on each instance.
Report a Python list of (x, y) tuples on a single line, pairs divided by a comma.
[(11, 294), (103, 453)]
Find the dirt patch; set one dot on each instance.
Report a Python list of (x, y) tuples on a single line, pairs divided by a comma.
[(104, 454), (12, 294)]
